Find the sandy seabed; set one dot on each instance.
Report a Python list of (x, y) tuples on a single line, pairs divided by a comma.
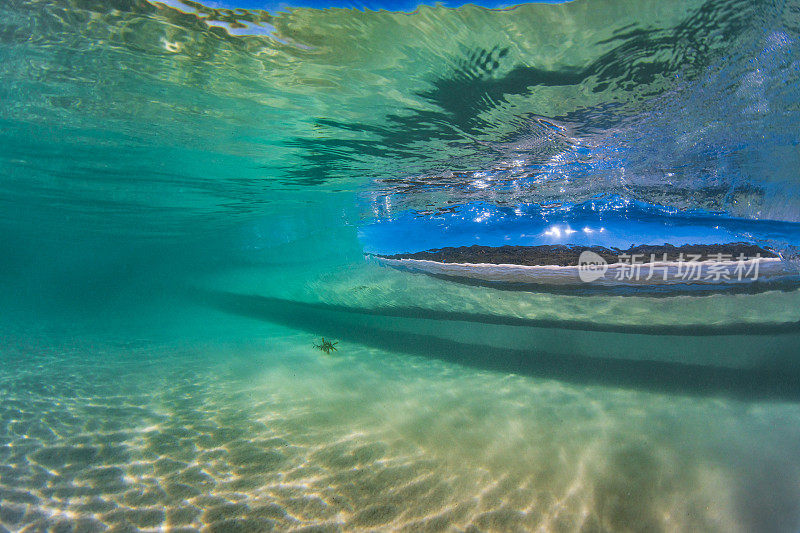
[(274, 435)]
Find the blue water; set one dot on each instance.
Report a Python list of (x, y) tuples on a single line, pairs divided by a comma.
[(187, 195), (605, 222)]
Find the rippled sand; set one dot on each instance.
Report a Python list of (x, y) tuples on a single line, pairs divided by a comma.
[(275, 435)]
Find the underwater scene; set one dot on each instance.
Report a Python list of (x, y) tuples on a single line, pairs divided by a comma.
[(390, 266)]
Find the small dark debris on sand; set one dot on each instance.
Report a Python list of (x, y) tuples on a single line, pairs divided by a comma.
[(327, 346)]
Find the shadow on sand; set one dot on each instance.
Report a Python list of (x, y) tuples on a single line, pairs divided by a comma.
[(342, 323)]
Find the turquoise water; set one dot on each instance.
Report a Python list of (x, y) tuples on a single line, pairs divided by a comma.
[(186, 196)]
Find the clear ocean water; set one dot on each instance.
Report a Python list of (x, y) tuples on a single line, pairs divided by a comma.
[(186, 197)]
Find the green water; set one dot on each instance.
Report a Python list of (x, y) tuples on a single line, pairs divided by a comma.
[(179, 223)]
